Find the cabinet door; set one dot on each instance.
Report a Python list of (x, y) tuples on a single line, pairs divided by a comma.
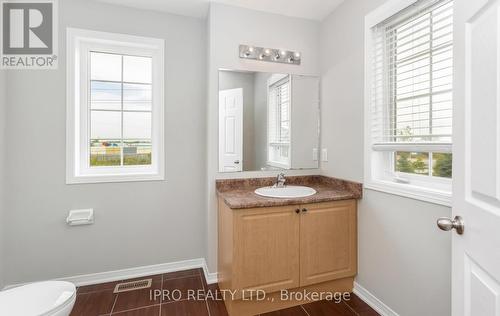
[(266, 249), (328, 248)]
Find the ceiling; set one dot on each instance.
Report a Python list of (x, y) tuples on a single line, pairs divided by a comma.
[(308, 9)]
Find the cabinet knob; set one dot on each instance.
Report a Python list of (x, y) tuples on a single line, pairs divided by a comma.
[(304, 210), (297, 211)]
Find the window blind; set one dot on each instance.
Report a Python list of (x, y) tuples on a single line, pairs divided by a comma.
[(412, 76), (279, 112)]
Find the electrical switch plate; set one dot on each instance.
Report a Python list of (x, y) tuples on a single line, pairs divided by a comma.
[(324, 154)]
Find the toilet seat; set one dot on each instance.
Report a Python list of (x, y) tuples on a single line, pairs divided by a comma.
[(48, 298)]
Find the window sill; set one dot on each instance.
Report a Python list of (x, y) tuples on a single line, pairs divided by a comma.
[(87, 179), (413, 192)]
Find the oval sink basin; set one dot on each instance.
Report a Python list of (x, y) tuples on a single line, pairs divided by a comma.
[(286, 192)]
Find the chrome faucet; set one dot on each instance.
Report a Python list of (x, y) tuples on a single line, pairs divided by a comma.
[(280, 180)]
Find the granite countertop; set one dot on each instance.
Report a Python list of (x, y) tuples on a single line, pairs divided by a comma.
[(239, 193)]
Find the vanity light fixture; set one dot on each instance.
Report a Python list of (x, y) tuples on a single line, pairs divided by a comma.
[(270, 54)]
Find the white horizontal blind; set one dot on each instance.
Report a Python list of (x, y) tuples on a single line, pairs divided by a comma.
[(279, 112), (412, 76), (279, 123)]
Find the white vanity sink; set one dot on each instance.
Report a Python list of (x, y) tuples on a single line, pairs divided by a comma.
[(286, 192)]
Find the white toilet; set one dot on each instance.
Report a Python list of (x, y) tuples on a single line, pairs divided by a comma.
[(48, 298)]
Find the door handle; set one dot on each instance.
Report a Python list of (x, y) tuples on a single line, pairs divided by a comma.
[(447, 224), (236, 162)]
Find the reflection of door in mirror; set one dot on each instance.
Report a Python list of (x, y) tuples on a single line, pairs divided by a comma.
[(231, 130), (278, 121)]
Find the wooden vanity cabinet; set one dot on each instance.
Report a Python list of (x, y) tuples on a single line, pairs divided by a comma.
[(300, 247), (266, 249), (328, 242)]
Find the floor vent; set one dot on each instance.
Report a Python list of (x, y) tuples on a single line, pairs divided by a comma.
[(133, 285)]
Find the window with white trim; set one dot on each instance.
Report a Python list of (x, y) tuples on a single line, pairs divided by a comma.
[(115, 107), (278, 122), (410, 99)]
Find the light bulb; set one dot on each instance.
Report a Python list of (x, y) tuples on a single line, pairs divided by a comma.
[(297, 55), (249, 51), (283, 53), (267, 51)]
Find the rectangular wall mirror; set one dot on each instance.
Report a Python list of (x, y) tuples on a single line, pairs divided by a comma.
[(268, 121)]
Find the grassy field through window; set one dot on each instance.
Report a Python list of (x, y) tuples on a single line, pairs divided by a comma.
[(108, 153)]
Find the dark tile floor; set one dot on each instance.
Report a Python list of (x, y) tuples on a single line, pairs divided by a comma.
[(99, 300)]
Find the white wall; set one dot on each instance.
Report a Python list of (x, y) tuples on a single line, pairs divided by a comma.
[(228, 27), (305, 121), (3, 121), (404, 260), (137, 224)]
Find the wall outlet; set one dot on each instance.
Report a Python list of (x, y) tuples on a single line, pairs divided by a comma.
[(324, 155), (315, 154)]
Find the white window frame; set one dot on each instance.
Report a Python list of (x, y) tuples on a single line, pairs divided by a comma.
[(79, 43), (420, 187), (285, 163)]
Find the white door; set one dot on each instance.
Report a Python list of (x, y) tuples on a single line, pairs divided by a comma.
[(476, 169), (231, 130)]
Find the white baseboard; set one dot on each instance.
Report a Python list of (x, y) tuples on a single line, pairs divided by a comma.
[(212, 278), (373, 301), (110, 276)]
